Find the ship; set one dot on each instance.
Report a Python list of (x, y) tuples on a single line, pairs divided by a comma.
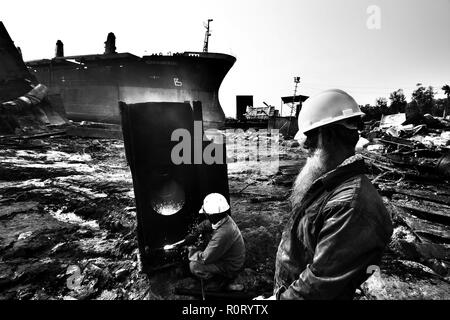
[(91, 86)]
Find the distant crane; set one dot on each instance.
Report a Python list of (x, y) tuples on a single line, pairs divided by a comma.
[(296, 81), (207, 35)]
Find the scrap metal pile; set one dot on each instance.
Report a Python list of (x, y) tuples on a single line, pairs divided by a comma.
[(410, 163), (416, 151), (32, 113)]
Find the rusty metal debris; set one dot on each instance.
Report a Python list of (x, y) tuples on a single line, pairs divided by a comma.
[(411, 165), (29, 114), (421, 151)]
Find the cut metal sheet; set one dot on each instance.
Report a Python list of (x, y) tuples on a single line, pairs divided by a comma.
[(168, 195)]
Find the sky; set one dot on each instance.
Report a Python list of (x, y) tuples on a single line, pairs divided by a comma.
[(348, 44)]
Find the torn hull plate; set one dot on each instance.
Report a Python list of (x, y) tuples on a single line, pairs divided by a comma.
[(168, 195)]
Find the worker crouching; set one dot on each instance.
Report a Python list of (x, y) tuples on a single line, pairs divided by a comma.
[(224, 254)]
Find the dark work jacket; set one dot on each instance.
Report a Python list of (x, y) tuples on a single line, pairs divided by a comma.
[(226, 249), (340, 229)]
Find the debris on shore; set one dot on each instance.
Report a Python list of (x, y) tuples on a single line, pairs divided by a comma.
[(410, 164), (67, 206)]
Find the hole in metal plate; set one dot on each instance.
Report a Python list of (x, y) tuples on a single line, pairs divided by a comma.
[(167, 196)]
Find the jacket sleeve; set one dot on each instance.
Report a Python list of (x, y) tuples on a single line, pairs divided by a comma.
[(217, 246), (346, 245)]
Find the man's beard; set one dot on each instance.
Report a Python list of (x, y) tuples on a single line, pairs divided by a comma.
[(314, 168)]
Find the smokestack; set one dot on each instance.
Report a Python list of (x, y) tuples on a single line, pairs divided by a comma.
[(59, 51), (242, 102), (110, 44)]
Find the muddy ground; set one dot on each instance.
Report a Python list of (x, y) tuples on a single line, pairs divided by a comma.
[(67, 207)]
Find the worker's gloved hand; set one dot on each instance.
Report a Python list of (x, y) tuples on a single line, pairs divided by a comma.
[(191, 251), (190, 239)]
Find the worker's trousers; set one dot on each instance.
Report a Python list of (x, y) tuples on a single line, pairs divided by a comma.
[(205, 271)]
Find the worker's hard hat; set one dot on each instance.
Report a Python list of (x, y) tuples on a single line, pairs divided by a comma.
[(329, 106), (214, 203)]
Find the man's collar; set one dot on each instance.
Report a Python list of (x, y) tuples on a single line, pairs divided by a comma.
[(218, 224), (350, 167)]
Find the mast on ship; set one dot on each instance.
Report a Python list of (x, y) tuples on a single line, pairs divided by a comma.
[(207, 35)]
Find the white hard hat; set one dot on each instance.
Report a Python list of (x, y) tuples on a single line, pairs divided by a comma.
[(214, 203), (329, 106)]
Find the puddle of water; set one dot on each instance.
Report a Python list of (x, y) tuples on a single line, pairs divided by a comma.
[(24, 235), (72, 218)]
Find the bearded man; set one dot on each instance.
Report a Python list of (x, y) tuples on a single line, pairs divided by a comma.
[(339, 225)]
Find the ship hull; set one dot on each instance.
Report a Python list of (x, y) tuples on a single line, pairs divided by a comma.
[(92, 86)]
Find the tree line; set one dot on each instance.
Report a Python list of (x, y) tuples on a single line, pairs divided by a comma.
[(422, 102)]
